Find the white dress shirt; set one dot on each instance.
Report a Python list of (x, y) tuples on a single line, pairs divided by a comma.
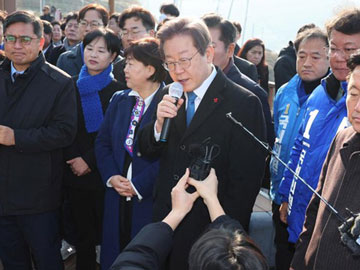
[(200, 93)]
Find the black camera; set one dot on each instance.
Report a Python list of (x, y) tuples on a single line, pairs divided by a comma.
[(202, 156)]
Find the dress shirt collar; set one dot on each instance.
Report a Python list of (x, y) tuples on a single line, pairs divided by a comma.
[(13, 70), (201, 90)]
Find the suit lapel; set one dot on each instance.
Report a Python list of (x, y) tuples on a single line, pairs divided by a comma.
[(126, 109), (211, 100)]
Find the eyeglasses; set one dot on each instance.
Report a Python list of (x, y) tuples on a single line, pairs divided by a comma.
[(70, 25), (183, 62), (346, 52), (133, 32), (24, 40), (93, 24)]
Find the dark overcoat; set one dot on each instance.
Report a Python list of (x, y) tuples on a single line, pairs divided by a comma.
[(83, 145), (41, 109), (239, 166)]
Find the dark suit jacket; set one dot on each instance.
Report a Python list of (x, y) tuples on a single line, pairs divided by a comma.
[(285, 65), (239, 166), (49, 51), (247, 68), (55, 54), (233, 73)]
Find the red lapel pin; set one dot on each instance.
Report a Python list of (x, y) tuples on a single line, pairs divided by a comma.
[(215, 100)]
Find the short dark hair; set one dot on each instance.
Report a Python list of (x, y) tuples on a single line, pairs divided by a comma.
[(170, 9), (48, 29), (227, 29), (71, 16), (104, 14), (196, 29), (226, 249), (249, 44), (147, 51), (24, 17), (53, 23), (115, 16), (306, 27), (346, 22), (312, 33), (238, 27), (111, 40), (353, 61), (139, 12)]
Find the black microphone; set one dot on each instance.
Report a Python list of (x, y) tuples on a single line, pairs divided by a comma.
[(176, 91)]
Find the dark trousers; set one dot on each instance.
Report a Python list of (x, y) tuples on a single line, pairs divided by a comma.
[(87, 210), (284, 249), (36, 234), (68, 231)]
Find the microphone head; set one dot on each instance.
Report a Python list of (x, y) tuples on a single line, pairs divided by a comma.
[(176, 90)]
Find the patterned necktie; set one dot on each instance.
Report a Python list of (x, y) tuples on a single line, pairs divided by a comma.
[(191, 96), (136, 114)]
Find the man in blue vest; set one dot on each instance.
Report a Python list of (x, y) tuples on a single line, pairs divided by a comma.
[(312, 65), (325, 115)]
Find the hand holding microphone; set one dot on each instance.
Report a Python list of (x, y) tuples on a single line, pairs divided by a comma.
[(167, 109)]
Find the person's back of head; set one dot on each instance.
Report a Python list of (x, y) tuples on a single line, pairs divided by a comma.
[(226, 249), (170, 10)]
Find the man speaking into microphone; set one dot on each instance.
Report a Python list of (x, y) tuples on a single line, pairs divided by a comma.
[(199, 115)]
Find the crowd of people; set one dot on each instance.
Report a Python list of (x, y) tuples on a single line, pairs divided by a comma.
[(101, 156)]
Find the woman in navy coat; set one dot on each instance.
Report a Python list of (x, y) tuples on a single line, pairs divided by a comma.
[(129, 177)]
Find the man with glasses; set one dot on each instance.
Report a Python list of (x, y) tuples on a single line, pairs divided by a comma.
[(312, 65), (135, 23), (37, 119), (209, 96), (91, 17), (325, 116), (72, 38)]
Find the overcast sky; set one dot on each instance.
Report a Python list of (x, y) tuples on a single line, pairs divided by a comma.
[(274, 21)]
